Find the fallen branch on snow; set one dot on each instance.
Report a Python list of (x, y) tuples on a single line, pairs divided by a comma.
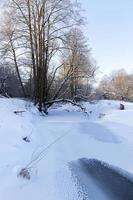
[(50, 103), (19, 112)]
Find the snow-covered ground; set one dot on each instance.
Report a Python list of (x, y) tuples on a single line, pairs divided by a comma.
[(64, 136)]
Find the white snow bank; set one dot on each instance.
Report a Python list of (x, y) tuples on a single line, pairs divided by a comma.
[(108, 138)]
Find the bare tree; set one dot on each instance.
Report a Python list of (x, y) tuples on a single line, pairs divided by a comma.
[(41, 26), (9, 47), (118, 86), (77, 61)]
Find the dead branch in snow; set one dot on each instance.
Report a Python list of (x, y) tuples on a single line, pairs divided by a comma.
[(19, 112), (50, 103)]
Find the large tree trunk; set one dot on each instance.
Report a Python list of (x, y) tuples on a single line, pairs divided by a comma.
[(17, 69)]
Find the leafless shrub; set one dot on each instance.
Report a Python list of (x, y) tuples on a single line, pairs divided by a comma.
[(24, 173)]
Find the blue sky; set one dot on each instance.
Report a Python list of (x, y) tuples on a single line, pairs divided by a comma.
[(110, 33), (109, 29)]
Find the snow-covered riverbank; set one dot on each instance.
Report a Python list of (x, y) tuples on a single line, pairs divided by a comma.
[(65, 135)]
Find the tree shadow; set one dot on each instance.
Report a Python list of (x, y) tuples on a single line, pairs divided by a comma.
[(99, 132)]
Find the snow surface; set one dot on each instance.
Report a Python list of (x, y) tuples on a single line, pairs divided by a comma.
[(65, 135)]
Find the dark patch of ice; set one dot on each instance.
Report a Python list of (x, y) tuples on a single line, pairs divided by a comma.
[(97, 180)]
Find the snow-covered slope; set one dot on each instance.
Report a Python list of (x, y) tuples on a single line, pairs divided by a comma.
[(65, 135)]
